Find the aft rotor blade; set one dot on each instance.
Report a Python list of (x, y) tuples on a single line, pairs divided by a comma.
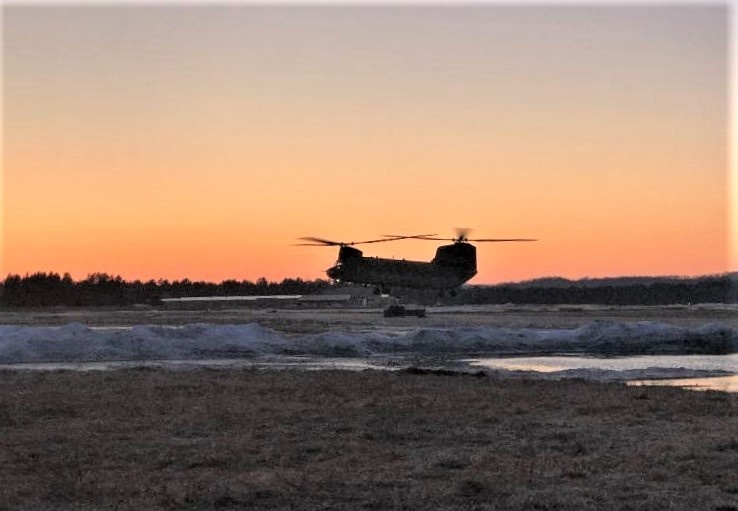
[(488, 240), (495, 240), (462, 233)]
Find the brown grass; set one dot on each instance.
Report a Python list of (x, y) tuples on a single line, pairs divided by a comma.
[(150, 439)]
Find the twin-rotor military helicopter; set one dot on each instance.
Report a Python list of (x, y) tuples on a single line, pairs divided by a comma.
[(453, 264)]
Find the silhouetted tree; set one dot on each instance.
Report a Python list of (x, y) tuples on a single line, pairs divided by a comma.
[(48, 289)]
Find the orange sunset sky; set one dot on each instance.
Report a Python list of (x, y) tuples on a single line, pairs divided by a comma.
[(200, 141)]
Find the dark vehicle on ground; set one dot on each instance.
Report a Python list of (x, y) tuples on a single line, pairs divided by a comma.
[(400, 311)]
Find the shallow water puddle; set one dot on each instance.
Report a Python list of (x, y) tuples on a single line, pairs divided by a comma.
[(639, 370), (276, 362), (671, 370), (563, 363), (721, 383)]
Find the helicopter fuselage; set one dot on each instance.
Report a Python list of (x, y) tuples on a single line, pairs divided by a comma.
[(452, 266)]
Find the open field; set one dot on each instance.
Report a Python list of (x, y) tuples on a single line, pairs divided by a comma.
[(410, 439), (148, 439)]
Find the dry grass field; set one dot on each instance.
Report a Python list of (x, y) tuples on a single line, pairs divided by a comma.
[(195, 440)]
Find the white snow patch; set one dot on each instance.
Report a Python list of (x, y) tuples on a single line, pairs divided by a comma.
[(598, 337), (76, 342)]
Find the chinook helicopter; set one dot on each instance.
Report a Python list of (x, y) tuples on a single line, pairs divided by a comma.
[(453, 264)]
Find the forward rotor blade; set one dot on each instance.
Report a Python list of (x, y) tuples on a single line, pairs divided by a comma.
[(431, 238), (319, 241), (376, 241), (405, 237), (330, 243)]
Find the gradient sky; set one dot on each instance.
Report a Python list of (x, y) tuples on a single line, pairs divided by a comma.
[(199, 141)]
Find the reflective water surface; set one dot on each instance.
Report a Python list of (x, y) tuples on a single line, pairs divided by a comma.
[(562, 363), (276, 362), (639, 370), (722, 383)]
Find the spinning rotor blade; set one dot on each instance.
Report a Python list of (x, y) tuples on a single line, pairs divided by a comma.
[(455, 240), (320, 242), (404, 237), (463, 236), (377, 241), (494, 240), (483, 240), (462, 233)]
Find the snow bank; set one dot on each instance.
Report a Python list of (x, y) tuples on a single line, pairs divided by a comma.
[(76, 342), (611, 338)]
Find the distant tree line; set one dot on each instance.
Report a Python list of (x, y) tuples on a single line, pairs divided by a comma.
[(609, 291), (604, 291), (48, 289), (52, 289)]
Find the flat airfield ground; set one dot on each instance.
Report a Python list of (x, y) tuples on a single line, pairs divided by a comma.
[(296, 320), (262, 439)]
